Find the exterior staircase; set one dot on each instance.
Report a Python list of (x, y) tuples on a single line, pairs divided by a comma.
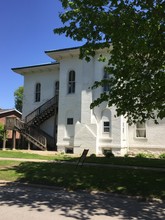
[(29, 128), (30, 134), (45, 111)]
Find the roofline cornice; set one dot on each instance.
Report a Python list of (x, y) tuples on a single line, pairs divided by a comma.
[(22, 70)]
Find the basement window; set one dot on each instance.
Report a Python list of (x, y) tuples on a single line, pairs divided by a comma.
[(69, 150), (69, 121)]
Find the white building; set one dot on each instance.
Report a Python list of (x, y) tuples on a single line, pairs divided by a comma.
[(71, 124)]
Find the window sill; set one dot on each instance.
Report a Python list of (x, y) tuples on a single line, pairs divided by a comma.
[(68, 138), (106, 138), (140, 138), (71, 94)]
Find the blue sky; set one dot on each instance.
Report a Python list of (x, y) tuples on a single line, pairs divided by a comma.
[(26, 31)]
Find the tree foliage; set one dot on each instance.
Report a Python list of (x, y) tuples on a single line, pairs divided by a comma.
[(134, 33), (18, 94), (1, 131)]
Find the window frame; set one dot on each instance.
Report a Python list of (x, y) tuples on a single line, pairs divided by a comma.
[(69, 121), (106, 127), (140, 129), (106, 76), (38, 92), (57, 86), (71, 82)]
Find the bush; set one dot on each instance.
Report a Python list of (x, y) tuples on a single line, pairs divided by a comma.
[(162, 156), (141, 155), (145, 155), (92, 156), (108, 153)]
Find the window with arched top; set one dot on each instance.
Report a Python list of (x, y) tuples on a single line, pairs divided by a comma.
[(105, 81), (56, 87), (106, 121), (71, 82), (38, 92)]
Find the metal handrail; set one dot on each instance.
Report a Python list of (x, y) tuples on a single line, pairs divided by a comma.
[(41, 109)]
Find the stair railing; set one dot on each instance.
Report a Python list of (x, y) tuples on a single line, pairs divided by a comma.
[(30, 132), (41, 109)]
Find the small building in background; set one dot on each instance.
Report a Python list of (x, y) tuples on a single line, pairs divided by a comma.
[(13, 113)]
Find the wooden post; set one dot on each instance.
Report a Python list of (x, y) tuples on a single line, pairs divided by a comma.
[(14, 139), (28, 145), (4, 140)]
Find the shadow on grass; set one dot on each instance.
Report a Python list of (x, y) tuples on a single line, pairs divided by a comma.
[(145, 184), (86, 205)]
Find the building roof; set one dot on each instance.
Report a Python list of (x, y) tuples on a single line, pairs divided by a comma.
[(25, 69), (64, 49), (8, 112), (62, 53)]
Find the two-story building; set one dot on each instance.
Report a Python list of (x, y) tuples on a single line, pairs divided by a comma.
[(57, 98)]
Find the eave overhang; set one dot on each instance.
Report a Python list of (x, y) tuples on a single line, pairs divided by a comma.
[(63, 53), (36, 68)]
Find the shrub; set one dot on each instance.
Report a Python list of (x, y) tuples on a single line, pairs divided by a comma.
[(92, 156), (162, 156), (145, 155), (108, 153), (141, 155)]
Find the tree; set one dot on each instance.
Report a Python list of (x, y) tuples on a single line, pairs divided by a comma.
[(1, 131), (133, 33), (18, 94)]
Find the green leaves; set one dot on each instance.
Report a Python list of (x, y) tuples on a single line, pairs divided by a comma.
[(135, 29), (18, 94)]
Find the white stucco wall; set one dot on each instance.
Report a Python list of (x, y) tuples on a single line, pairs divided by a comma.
[(69, 104), (87, 128), (155, 137), (87, 131), (47, 79)]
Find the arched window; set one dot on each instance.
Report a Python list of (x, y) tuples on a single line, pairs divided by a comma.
[(71, 82), (56, 87), (38, 92), (105, 78), (106, 121)]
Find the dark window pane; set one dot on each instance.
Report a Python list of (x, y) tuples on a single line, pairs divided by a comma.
[(69, 121)]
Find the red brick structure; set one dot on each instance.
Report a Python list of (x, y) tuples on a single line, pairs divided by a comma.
[(9, 113)]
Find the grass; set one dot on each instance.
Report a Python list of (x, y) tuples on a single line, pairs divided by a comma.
[(146, 184), (6, 163), (129, 161), (26, 155)]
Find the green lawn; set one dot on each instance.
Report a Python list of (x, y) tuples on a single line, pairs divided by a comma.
[(146, 184), (131, 161), (27, 155)]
